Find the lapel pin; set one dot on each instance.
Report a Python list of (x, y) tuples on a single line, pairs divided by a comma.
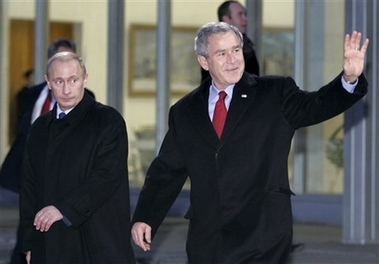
[(244, 95)]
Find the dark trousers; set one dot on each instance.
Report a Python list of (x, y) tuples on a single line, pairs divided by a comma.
[(18, 257)]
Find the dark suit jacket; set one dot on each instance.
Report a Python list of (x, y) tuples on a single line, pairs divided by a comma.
[(79, 165), (10, 172), (240, 195)]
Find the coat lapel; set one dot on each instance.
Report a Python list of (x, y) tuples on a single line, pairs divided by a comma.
[(243, 95), (59, 129), (198, 113)]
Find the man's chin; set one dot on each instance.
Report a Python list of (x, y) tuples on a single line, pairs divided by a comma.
[(65, 106)]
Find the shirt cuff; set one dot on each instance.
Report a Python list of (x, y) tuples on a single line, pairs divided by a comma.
[(348, 86), (66, 221)]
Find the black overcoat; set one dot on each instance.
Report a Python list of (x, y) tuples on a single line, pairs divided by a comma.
[(240, 196), (10, 171), (79, 165)]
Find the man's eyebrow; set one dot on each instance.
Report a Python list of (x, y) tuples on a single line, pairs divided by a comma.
[(219, 51), (224, 50), (69, 77)]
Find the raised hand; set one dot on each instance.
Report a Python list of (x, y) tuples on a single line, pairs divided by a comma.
[(354, 56)]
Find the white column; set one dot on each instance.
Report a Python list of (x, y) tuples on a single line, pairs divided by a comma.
[(115, 75), (254, 11), (4, 72), (361, 157), (163, 70), (41, 29)]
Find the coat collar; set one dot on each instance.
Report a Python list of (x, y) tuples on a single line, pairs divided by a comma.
[(243, 95), (197, 110), (80, 110)]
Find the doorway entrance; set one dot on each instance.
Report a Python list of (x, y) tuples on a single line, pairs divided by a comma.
[(21, 59)]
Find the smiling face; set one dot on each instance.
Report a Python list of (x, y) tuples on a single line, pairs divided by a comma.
[(225, 61), (66, 81)]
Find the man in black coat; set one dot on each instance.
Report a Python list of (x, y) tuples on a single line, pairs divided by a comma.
[(10, 172), (22, 95), (74, 196), (240, 206)]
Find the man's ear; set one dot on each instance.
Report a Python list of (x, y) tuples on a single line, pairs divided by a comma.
[(225, 18), (203, 62), (47, 81), (85, 79)]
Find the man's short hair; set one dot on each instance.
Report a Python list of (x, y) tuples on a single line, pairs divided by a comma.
[(223, 9), (64, 57), (53, 48), (201, 40)]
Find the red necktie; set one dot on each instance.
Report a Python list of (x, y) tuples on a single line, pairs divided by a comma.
[(219, 114), (46, 104)]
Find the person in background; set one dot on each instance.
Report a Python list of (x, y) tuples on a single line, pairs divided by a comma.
[(231, 136), (74, 196), (39, 101), (22, 95), (233, 13)]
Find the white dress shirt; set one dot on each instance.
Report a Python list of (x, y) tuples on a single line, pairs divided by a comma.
[(39, 103)]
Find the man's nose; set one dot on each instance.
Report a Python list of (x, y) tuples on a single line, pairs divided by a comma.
[(66, 88), (244, 17), (231, 58)]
